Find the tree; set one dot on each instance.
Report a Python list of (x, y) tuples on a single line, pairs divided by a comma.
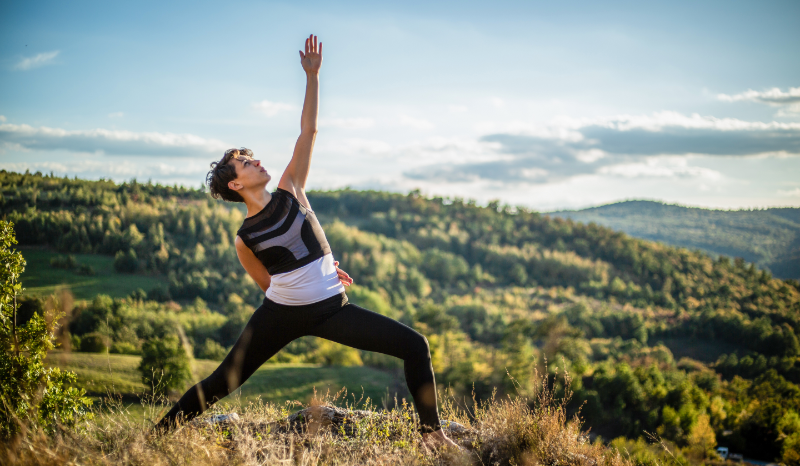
[(701, 437), (165, 366), (29, 392)]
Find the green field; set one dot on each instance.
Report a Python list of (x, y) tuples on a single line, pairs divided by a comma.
[(100, 374), (40, 278)]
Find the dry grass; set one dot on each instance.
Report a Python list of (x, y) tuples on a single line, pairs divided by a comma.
[(509, 431)]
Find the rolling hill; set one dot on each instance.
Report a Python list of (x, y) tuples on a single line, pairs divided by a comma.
[(768, 237)]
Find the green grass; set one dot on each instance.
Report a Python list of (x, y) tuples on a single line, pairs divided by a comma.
[(40, 278), (99, 374)]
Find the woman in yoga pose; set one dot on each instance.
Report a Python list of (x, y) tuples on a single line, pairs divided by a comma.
[(282, 247)]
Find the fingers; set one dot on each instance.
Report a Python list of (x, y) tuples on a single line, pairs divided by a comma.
[(343, 276), (312, 45)]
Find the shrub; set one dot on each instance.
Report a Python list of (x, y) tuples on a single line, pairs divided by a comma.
[(124, 347), (160, 294), (334, 354), (138, 295), (211, 350), (85, 269), (126, 262), (64, 262), (95, 343), (165, 365), (29, 392)]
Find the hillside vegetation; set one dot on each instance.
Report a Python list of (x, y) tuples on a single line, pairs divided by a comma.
[(272, 383), (499, 292), (769, 237)]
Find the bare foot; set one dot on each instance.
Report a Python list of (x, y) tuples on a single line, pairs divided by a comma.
[(437, 439)]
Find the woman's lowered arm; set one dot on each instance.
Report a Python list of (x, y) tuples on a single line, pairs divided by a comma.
[(295, 176)]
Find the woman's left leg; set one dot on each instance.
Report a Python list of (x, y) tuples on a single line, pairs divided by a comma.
[(366, 330)]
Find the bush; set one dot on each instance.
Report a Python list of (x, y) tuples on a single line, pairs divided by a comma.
[(165, 366), (95, 343), (333, 354), (126, 262), (160, 294), (64, 262), (85, 269), (29, 392), (138, 295), (211, 350), (124, 347)]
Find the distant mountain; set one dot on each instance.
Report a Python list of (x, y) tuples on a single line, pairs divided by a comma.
[(769, 237)]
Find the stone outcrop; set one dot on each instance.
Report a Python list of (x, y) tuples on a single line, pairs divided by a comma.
[(338, 421)]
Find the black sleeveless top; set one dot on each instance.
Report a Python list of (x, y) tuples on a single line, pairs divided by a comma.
[(284, 236)]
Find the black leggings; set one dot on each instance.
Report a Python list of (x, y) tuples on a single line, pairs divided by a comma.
[(274, 325)]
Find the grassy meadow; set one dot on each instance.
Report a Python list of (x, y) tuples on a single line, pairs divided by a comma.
[(41, 279), (101, 374)]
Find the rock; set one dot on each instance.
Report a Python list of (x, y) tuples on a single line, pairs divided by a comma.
[(218, 418), (338, 421)]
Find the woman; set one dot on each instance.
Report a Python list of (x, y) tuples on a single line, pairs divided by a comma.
[(282, 247)]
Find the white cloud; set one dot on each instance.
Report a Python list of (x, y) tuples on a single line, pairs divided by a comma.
[(661, 167), (416, 123), (347, 123), (789, 110), (773, 96), (271, 109), (2, 119), (533, 173), (120, 169), (115, 142), (439, 149), (789, 193), (458, 108), (560, 130), (37, 60), (629, 146), (497, 102), (669, 119), (116, 115), (590, 156), (354, 146)]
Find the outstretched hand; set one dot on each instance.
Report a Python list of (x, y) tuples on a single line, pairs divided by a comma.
[(343, 277), (312, 58)]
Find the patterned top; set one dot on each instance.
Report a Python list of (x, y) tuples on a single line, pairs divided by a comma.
[(284, 236)]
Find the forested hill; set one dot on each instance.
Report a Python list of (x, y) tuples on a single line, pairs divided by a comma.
[(768, 237), (657, 338)]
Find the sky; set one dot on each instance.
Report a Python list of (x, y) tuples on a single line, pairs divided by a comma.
[(546, 105)]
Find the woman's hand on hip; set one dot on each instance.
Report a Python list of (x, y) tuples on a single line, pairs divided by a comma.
[(343, 277)]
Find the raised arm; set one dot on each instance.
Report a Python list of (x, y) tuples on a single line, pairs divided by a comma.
[(295, 176)]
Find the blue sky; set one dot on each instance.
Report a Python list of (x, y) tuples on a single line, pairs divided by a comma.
[(549, 105)]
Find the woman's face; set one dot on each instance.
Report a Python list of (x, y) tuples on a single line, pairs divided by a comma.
[(249, 173)]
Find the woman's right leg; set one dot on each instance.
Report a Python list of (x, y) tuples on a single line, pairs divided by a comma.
[(366, 330), (265, 334)]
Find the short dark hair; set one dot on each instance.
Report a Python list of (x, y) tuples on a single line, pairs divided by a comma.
[(222, 173)]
